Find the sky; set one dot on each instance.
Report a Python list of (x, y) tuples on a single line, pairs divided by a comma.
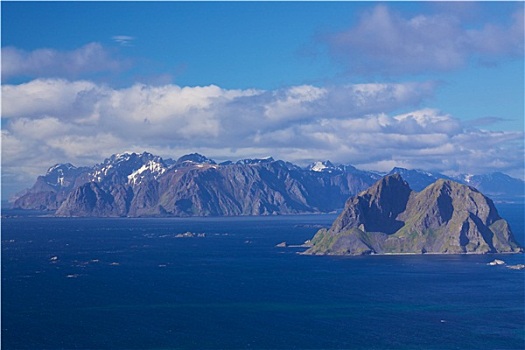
[(437, 86)]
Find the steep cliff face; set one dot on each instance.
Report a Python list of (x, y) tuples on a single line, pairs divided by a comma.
[(247, 190), (91, 200), (390, 218), (265, 188), (376, 209)]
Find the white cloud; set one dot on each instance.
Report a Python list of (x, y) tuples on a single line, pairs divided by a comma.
[(90, 58), (51, 120), (418, 121), (124, 40), (496, 40), (49, 96), (38, 129), (296, 102), (385, 42)]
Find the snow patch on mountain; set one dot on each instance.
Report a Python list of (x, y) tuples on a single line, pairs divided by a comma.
[(99, 174), (318, 166), (152, 168), (322, 166)]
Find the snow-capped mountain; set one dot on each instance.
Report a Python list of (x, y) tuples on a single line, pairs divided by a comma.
[(128, 168), (132, 184)]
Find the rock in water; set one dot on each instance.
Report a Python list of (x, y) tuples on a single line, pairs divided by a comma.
[(389, 218), (496, 262)]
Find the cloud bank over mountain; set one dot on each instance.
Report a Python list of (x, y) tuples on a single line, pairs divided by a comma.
[(80, 121)]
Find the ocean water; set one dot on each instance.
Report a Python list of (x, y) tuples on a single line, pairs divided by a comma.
[(132, 284)]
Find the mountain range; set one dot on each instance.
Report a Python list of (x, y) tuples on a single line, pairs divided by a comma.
[(136, 185), (390, 218)]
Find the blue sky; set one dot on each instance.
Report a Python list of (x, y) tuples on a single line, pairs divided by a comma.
[(437, 86)]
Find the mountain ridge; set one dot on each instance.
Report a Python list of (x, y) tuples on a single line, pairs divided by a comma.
[(194, 185)]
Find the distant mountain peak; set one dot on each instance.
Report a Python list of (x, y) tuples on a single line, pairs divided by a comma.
[(397, 170), (60, 167), (127, 167), (118, 158), (195, 158)]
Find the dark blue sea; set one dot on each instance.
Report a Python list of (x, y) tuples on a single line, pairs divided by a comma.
[(76, 283)]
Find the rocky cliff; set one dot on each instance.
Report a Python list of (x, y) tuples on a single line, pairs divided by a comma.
[(390, 218)]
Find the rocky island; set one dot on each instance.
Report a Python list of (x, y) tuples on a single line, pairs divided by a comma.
[(390, 218)]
